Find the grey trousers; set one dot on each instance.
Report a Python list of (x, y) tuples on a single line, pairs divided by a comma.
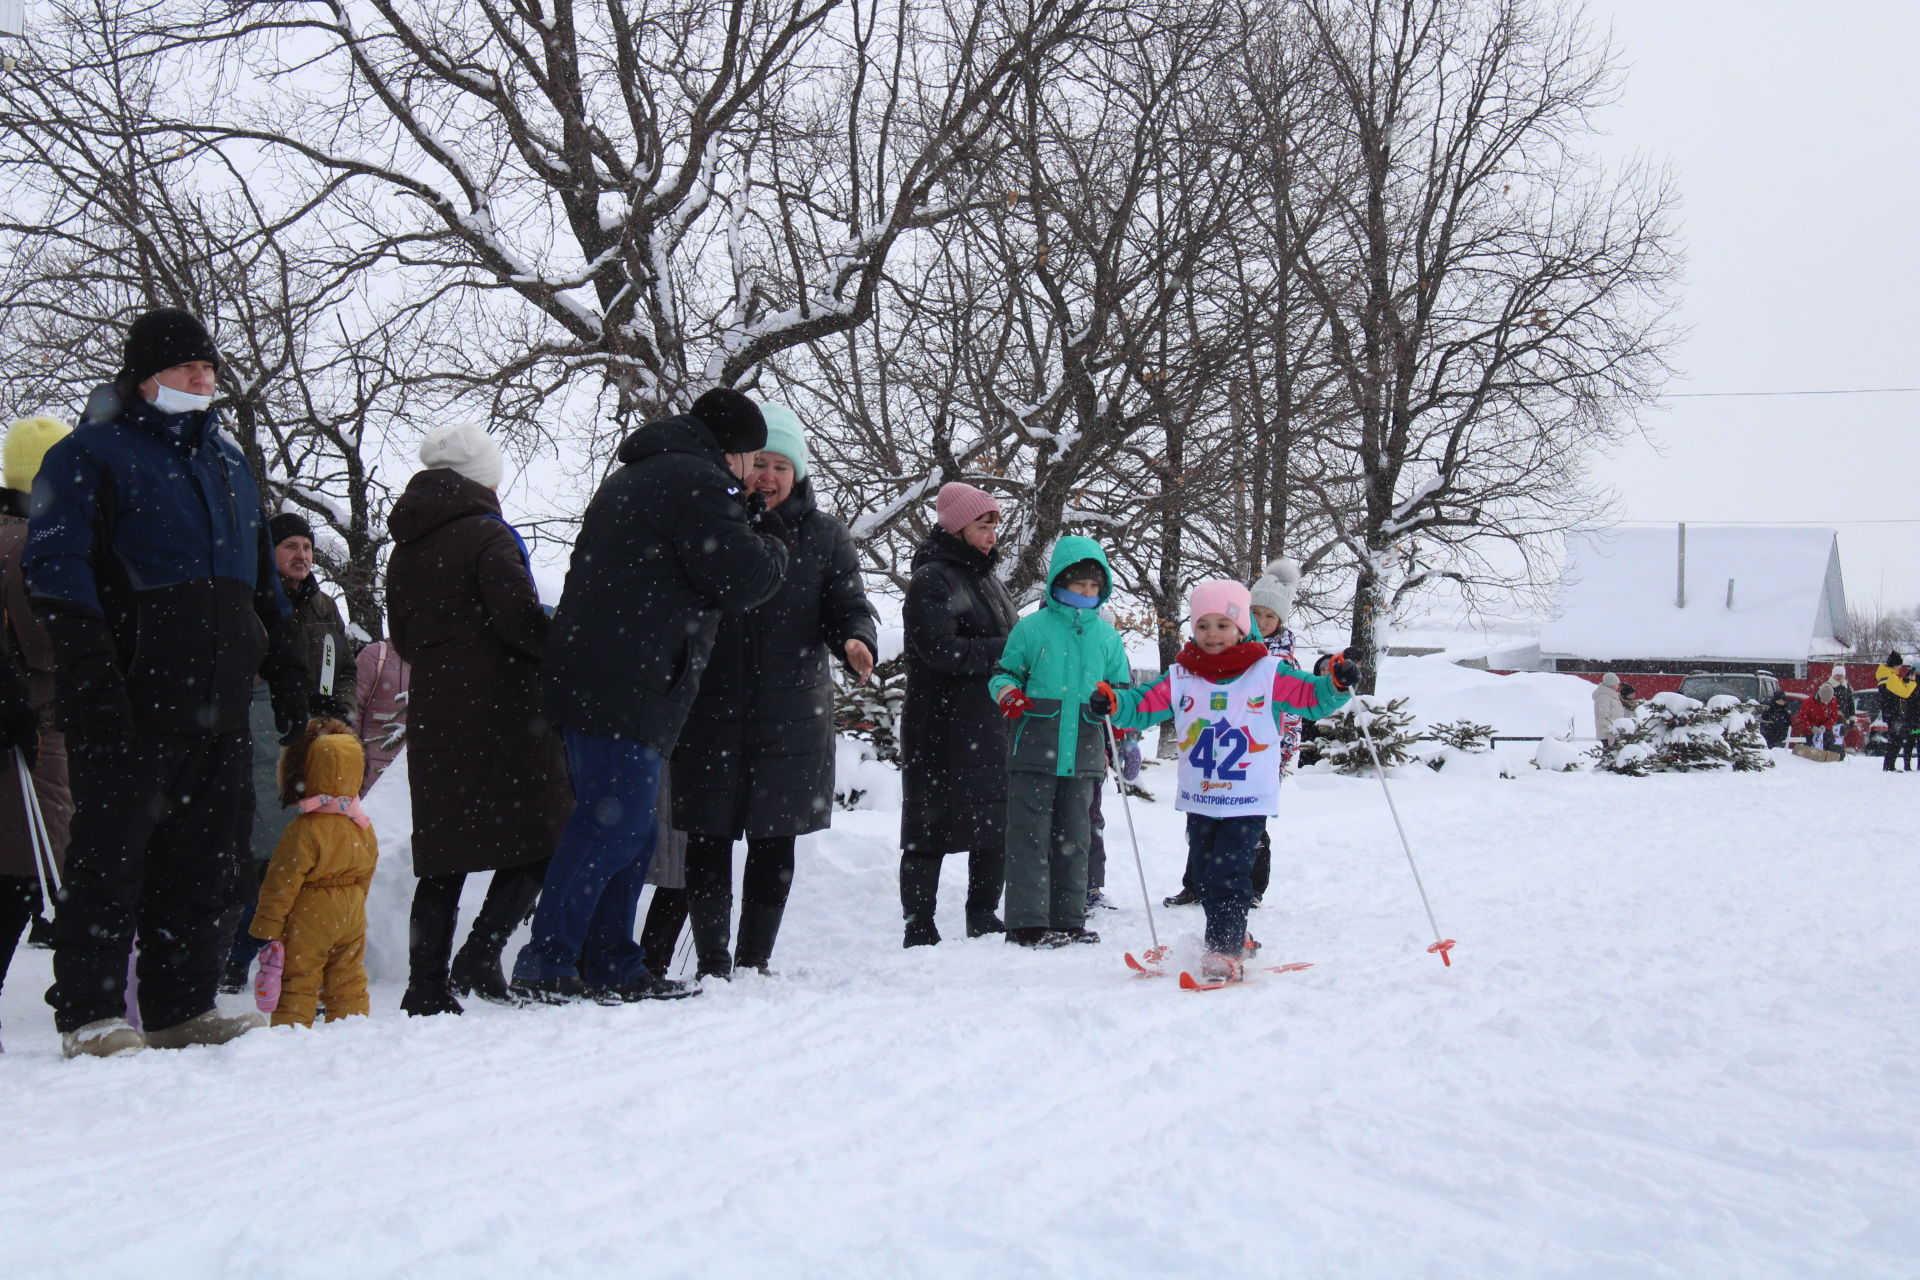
[(1047, 834)]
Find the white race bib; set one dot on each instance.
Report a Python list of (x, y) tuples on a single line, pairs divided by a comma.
[(1230, 749)]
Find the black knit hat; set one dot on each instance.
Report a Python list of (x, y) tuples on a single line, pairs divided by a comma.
[(1895, 660), (734, 420), (162, 339), (288, 524)]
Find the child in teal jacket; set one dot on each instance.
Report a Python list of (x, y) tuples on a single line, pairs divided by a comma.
[(1053, 661), (1228, 697)]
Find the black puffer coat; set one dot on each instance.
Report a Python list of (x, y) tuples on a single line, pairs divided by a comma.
[(953, 738), (756, 756), (663, 551)]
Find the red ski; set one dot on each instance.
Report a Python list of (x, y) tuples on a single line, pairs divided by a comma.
[(1144, 970), (1190, 983)]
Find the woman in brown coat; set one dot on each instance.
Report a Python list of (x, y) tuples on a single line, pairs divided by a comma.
[(488, 775), (26, 647)]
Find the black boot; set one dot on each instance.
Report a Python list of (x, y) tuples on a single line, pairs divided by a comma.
[(986, 880), (759, 926), (919, 891), (711, 916), (476, 970), (666, 916), (430, 929)]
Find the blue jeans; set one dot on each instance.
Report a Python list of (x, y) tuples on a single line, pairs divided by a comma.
[(1221, 851), (584, 923)]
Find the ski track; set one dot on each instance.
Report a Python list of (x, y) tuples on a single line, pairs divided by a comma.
[(1677, 1041)]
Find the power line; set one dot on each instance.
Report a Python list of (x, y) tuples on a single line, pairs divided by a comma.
[(1884, 520), (1847, 391)]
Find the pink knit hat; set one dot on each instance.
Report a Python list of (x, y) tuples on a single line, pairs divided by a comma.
[(959, 505), (1223, 596)]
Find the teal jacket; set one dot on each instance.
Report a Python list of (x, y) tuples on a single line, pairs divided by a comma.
[(1056, 656)]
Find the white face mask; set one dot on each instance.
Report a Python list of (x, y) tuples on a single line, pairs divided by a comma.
[(167, 400)]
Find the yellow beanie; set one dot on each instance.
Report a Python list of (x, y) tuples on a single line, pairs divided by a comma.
[(27, 443)]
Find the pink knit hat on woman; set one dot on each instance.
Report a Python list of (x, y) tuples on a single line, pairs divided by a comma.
[(1223, 596), (959, 505)]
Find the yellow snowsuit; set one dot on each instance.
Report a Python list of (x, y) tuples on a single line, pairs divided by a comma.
[(314, 896)]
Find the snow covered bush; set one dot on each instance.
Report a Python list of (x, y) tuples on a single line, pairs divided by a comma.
[(1464, 748), (1669, 733), (870, 712), (1338, 740), (1560, 755), (1463, 735)]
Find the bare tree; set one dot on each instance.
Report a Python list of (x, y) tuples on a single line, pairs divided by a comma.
[(1493, 302)]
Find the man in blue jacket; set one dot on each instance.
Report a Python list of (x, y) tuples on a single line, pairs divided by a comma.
[(147, 557)]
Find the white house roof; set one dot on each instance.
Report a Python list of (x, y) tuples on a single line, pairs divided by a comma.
[(1754, 593)]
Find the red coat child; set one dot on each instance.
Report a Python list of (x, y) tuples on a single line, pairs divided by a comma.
[(1819, 718)]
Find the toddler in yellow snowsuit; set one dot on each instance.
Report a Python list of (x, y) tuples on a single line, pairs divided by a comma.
[(314, 895)]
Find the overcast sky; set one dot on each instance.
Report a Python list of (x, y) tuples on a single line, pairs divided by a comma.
[(1793, 137)]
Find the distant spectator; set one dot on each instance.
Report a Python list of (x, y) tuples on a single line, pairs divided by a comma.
[(1609, 705), (384, 677), (1819, 721), (1776, 719), (1896, 682)]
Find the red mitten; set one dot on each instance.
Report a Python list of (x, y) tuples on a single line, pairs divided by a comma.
[(1015, 703)]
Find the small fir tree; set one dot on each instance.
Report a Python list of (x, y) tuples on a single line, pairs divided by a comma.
[(1673, 734), (871, 712), (1339, 741)]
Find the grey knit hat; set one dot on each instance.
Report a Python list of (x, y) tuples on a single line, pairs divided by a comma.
[(1275, 587)]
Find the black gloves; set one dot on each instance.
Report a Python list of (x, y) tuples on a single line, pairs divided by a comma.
[(94, 707), (1102, 703), (289, 712), (757, 514), (19, 726), (1345, 672)]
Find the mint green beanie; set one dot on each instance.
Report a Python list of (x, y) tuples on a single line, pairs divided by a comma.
[(786, 436)]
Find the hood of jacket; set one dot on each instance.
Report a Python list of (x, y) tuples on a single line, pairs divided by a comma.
[(1071, 550), (800, 504), (941, 547), (680, 434), (335, 766), (436, 497)]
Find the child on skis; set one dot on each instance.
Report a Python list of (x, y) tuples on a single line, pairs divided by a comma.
[(1052, 663), (1227, 696), (313, 900)]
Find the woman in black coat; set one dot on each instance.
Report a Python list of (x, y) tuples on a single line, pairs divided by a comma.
[(756, 756), (488, 778), (953, 737)]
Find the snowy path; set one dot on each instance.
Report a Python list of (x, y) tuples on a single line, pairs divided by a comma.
[(1679, 1041)]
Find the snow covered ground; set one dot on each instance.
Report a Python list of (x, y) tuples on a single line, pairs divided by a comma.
[(1678, 1040)]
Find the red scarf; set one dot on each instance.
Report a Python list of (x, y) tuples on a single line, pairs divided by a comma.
[(1228, 664)]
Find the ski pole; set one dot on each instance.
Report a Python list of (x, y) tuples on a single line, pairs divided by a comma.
[(1440, 946), (43, 863), (1119, 784)]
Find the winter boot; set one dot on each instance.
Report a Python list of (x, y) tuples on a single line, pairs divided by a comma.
[(1075, 935), (646, 987), (712, 918), (919, 892), (101, 1039), (429, 940), (211, 1027), (666, 916), (40, 933), (1215, 967), (986, 881), (545, 990), (1037, 936), (476, 970), (1097, 899), (1184, 898), (759, 926)]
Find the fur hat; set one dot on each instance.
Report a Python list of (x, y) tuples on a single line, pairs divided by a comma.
[(736, 421), (1276, 586), (463, 447), (27, 443), (959, 505), (1223, 596), (162, 339), (786, 437)]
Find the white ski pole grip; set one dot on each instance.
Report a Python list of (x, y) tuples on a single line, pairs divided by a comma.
[(1441, 946)]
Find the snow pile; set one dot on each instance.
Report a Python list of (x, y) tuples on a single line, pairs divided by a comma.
[(1525, 704)]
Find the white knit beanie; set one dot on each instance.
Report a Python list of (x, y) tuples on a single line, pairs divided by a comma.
[(465, 448), (1276, 586)]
